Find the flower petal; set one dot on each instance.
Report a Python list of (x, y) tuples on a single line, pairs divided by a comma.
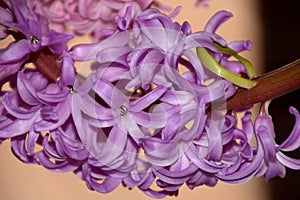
[(15, 52), (85, 52), (148, 99), (108, 184), (288, 162), (293, 141), (26, 90), (17, 110), (216, 21)]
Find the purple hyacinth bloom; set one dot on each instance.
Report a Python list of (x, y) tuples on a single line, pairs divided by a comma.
[(212, 149), (36, 106), (148, 113), (81, 17), (275, 160), (139, 82), (32, 34)]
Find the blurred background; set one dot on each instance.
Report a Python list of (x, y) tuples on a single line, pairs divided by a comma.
[(273, 28), (281, 46)]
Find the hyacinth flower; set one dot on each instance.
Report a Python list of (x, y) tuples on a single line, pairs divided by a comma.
[(176, 155), (34, 106), (80, 17), (138, 120), (30, 102), (31, 33), (275, 160), (99, 22)]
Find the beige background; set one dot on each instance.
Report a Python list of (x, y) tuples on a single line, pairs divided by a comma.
[(19, 181)]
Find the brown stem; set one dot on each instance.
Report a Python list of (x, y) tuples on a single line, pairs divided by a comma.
[(47, 63), (44, 60), (268, 86)]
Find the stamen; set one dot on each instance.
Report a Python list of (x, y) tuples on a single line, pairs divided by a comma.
[(34, 39), (71, 89), (123, 110)]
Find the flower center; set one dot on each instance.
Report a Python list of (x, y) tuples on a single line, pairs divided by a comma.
[(34, 39), (71, 89), (123, 110)]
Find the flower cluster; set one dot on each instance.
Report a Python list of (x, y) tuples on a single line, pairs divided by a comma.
[(31, 33), (150, 112), (96, 18)]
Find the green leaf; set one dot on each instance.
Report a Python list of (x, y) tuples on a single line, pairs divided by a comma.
[(210, 63), (247, 63)]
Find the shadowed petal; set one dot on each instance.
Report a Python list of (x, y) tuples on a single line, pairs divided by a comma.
[(15, 52), (293, 141)]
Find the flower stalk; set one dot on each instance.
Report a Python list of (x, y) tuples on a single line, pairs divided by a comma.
[(268, 86), (47, 63)]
